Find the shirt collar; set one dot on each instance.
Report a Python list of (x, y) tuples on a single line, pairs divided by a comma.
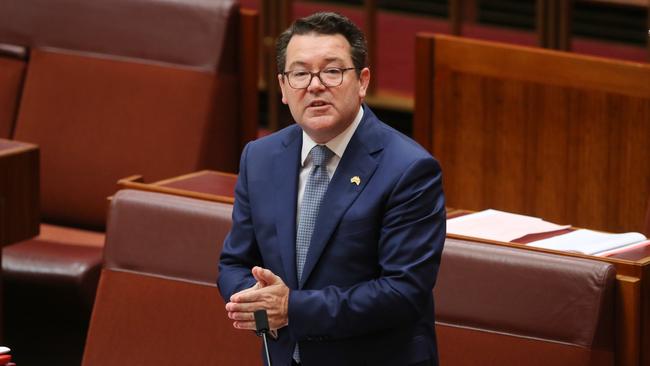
[(338, 144)]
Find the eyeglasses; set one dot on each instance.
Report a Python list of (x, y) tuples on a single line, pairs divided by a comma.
[(329, 77)]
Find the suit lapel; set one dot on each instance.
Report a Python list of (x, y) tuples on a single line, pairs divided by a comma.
[(285, 180), (358, 161)]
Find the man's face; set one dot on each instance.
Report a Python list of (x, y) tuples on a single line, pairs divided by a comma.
[(323, 112)]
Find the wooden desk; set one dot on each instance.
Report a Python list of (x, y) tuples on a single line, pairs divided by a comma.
[(206, 185), (19, 191), (632, 268)]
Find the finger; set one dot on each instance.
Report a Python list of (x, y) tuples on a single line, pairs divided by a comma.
[(244, 306), (241, 316), (262, 295), (244, 325), (246, 297), (265, 275), (256, 286), (251, 295), (257, 274)]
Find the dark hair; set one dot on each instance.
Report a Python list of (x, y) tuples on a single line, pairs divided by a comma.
[(325, 23)]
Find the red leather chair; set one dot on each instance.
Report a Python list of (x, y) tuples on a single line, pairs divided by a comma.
[(157, 302), (507, 306), (114, 88)]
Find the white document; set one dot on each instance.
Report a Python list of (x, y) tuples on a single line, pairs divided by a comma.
[(588, 241), (624, 248), (498, 225)]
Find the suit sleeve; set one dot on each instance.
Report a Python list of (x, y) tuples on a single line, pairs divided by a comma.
[(410, 246), (240, 252)]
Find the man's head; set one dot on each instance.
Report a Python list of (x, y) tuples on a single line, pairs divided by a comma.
[(323, 104), (325, 24)]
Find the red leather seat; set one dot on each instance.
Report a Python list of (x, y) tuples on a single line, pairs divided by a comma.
[(157, 301), (507, 306)]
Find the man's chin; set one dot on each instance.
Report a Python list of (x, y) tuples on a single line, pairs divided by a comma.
[(319, 128), (319, 121)]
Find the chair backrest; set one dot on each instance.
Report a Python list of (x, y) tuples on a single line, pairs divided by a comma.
[(157, 302), (115, 88), (505, 306), (533, 131)]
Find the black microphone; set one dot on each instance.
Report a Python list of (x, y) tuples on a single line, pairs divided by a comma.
[(262, 328)]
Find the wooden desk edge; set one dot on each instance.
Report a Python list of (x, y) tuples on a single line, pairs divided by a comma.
[(131, 184), (20, 147), (189, 175), (640, 263)]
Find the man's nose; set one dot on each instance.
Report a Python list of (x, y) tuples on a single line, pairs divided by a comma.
[(315, 83)]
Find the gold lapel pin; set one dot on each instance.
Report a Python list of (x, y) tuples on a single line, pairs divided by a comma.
[(356, 180)]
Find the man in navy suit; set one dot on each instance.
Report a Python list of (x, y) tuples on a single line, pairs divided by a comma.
[(358, 289)]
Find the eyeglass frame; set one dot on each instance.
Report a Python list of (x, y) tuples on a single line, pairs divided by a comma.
[(317, 74)]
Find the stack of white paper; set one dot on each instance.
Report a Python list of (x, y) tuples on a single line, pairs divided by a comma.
[(498, 225), (504, 226), (589, 241)]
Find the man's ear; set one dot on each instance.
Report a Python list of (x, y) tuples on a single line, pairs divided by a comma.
[(282, 86), (364, 81)]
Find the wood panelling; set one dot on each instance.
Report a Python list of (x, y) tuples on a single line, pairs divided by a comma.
[(538, 132), (541, 66)]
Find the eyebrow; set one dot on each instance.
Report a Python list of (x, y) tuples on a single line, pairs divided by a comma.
[(302, 63)]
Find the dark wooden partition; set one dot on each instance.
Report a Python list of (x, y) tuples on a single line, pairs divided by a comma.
[(539, 132), (12, 72)]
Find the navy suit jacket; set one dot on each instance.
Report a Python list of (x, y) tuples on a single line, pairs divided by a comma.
[(365, 297)]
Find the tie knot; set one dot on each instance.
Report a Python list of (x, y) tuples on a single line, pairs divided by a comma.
[(320, 155)]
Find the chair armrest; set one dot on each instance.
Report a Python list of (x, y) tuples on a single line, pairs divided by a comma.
[(19, 191)]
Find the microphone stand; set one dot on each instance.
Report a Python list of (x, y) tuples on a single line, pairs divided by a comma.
[(262, 328)]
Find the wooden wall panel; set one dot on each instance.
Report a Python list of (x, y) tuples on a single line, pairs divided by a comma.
[(548, 146), (538, 132)]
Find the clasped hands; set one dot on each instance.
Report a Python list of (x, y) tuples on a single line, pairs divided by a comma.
[(268, 293)]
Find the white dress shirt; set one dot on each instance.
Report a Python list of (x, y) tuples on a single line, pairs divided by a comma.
[(338, 145)]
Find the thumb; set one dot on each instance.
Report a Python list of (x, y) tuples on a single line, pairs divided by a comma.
[(264, 275)]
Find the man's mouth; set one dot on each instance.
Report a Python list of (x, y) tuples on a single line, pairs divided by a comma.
[(317, 103)]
